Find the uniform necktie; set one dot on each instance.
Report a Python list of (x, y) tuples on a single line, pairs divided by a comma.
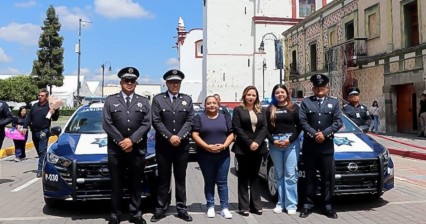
[(174, 101), (319, 102), (128, 101)]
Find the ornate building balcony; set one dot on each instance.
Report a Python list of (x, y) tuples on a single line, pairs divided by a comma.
[(353, 52)]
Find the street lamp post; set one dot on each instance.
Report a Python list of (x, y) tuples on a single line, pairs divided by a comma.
[(103, 74), (78, 51), (263, 77), (278, 53)]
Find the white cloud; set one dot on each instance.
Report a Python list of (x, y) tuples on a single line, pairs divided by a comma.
[(11, 71), (120, 9), (26, 4), (172, 63), (69, 17), (27, 34), (3, 56)]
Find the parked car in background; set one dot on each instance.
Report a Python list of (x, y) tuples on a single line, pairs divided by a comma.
[(76, 169), (363, 166)]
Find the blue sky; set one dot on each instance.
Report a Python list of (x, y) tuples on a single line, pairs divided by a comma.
[(137, 33)]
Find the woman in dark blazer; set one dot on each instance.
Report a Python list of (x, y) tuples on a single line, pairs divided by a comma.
[(250, 128)]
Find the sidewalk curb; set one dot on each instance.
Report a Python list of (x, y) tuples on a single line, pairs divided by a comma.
[(11, 150), (400, 142), (410, 154)]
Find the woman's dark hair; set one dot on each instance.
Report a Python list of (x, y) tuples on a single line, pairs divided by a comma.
[(20, 110), (375, 104), (273, 104)]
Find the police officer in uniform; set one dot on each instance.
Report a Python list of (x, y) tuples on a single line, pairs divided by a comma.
[(172, 114), (320, 118), (222, 109), (356, 111), (127, 121), (6, 118)]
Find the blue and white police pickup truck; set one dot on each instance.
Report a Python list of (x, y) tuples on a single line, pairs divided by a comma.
[(76, 169)]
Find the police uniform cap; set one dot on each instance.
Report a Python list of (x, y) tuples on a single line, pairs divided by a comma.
[(319, 80), (353, 91), (173, 74), (128, 73)]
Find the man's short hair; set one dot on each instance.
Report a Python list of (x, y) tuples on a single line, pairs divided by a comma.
[(44, 90)]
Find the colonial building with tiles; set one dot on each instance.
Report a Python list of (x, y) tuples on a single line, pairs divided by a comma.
[(376, 45)]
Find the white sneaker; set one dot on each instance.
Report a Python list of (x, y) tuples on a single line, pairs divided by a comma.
[(226, 213), (278, 209), (291, 211), (211, 213)]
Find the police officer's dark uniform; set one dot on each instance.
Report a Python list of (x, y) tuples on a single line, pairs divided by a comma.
[(171, 117), (6, 117), (319, 115), (355, 111), (124, 121)]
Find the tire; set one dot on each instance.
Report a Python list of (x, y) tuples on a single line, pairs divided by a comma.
[(272, 183), (53, 203), (236, 166)]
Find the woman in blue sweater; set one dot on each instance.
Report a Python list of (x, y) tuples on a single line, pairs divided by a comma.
[(212, 132)]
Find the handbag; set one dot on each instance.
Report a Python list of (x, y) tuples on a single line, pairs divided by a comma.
[(14, 134)]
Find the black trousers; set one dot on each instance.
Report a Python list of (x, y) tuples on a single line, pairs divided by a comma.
[(167, 157), (248, 176), (324, 163), (135, 163), (2, 136)]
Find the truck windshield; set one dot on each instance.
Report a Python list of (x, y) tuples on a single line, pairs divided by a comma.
[(86, 120)]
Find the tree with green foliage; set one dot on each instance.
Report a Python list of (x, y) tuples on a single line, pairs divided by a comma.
[(20, 88), (48, 69)]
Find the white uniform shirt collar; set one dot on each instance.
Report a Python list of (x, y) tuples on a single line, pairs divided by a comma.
[(171, 95), (124, 96)]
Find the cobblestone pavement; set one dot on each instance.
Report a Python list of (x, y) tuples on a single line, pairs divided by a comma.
[(406, 203)]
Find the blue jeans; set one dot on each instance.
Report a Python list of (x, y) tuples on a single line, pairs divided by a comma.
[(285, 163), (41, 141), (215, 169), (376, 123)]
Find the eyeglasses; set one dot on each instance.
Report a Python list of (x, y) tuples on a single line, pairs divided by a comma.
[(129, 80)]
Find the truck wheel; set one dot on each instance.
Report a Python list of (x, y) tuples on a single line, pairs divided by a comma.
[(53, 203), (272, 183)]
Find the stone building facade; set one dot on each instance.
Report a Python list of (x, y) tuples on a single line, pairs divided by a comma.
[(376, 45)]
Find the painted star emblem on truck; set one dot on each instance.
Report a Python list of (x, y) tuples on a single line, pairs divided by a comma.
[(342, 141), (100, 141)]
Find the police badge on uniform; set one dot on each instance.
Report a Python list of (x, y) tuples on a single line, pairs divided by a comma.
[(139, 105), (330, 105), (184, 103)]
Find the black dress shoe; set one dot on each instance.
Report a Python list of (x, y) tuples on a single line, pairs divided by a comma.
[(305, 213), (185, 216), (157, 216), (113, 220), (137, 219), (244, 213), (257, 212), (38, 175), (330, 213)]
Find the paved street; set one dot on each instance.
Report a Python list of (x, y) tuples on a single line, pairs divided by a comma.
[(22, 202)]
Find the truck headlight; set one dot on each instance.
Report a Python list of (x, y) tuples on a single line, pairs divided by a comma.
[(58, 160)]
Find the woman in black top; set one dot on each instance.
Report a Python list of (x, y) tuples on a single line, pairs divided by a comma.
[(18, 123), (284, 129), (249, 125)]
